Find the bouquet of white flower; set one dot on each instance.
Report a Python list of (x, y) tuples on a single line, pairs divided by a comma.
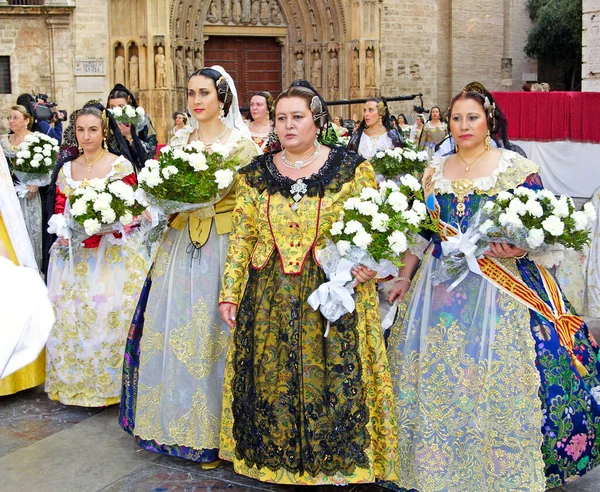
[(535, 221), (128, 115), (35, 159), (343, 141), (392, 163), (187, 178), (101, 207), (374, 230)]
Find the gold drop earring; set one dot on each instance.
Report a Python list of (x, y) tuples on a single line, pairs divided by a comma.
[(488, 141)]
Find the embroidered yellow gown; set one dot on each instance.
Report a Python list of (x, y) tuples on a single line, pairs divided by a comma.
[(299, 408), (32, 374)]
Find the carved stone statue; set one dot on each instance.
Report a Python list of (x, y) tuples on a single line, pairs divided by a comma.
[(298, 67), (275, 13), (213, 15), (198, 61), (331, 32), (315, 71), (237, 11), (189, 65), (179, 70), (119, 70), (355, 75), (226, 11), (196, 31), (246, 7), (333, 77), (134, 78), (265, 12), (177, 26), (313, 21), (370, 70), (254, 12), (160, 67)]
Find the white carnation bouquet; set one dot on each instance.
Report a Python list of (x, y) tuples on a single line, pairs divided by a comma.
[(187, 178), (344, 141), (102, 207), (535, 221), (374, 230), (392, 163), (128, 115), (35, 159)]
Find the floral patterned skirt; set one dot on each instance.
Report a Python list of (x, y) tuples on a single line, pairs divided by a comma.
[(93, 303), (175, 352), (486, 397), (299, 408)]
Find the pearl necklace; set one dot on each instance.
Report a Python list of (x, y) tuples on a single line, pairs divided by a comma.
[(217, 140), (300, 164)]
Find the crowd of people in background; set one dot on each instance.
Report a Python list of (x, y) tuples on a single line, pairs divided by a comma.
[(204, 334)]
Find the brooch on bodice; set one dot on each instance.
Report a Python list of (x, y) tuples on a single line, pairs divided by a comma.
[(462, 188), (298, 190)]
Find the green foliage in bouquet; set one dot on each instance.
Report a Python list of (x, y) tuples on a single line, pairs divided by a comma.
[(392, 163), (383, 222), (537, 219), (188, 175), (37, 154)]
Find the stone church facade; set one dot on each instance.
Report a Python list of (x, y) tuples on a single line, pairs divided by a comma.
[(75, 50)]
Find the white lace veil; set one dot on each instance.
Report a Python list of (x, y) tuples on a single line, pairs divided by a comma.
[(233, 119), (13, 217)]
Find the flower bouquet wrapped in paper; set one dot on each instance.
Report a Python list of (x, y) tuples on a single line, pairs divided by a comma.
[(396, 162), (101, 208), (35, 159), (188, 178), (374, 230), (128, 115), (535, 221)]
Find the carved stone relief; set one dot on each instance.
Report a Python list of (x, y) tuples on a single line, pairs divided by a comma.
[(316, 73), (333, 74), (355, 74), (370, 79), (244, 12), (160, 67), (119, 70), (134, 73), (299, 67)]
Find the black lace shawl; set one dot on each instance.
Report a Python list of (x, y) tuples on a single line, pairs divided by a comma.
[(338, 169)]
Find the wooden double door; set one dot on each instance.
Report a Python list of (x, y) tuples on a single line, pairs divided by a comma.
[(254, 63)]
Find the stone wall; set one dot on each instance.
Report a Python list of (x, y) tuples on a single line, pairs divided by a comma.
[(590, 68), (25, 39), (43, 46)]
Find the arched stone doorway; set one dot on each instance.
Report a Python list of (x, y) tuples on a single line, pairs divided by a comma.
[(333, 43), (311, 33)]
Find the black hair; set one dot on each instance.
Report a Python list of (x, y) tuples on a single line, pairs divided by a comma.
[(270, 103), (224, 93), (495, 119), (25, 100), (119, 91), (386, 120), (403, 116), (177, 113)]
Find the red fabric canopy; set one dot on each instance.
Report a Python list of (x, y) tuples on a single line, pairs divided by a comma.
[(551, 116)]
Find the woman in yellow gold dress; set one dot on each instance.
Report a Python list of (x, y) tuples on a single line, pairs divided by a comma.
[(300, 408), (15, 240)]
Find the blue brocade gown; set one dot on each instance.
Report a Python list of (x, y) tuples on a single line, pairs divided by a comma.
[(486, 396)]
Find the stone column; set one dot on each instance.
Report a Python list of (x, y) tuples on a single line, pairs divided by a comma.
[(61, 58)]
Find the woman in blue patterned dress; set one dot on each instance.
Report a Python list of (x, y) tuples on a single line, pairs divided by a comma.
[(487, 395)]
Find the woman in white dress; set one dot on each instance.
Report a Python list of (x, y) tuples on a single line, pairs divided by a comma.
[(175, 355), (375, 132), (93, 286), (261, 125)]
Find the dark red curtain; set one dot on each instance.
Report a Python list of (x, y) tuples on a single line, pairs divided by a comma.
[(551, 116)]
